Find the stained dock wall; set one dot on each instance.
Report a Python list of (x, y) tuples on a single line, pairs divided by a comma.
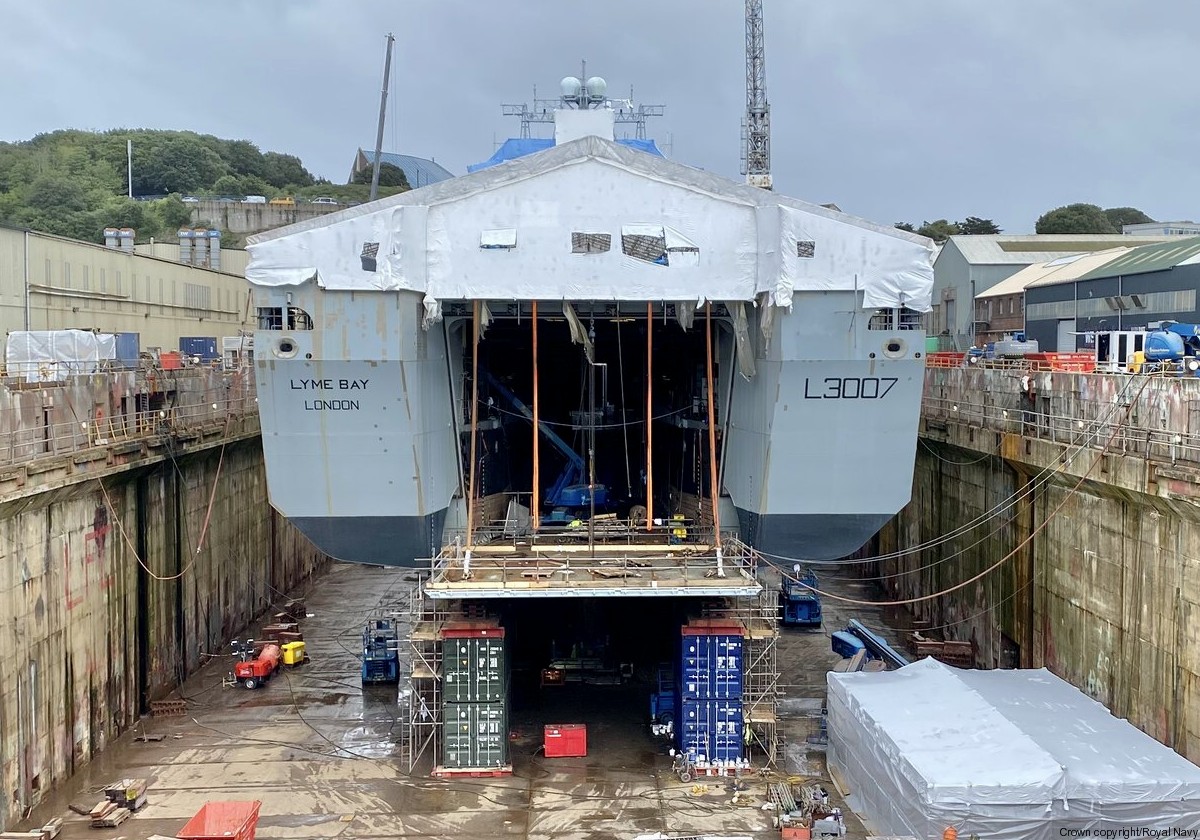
[(1086, 500), (116, 579)]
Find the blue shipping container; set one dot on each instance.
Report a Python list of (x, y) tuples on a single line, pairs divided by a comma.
[(711, 667), (711, 730), (205, 348), (129, 348)]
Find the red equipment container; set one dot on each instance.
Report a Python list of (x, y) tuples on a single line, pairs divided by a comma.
[(223, 821), (170, 360), (566, 740)]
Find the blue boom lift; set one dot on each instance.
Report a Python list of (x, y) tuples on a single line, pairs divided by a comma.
[(381, 655), (566, 495), (799, 604)]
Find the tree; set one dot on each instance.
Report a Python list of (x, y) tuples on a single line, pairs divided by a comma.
[(1075, 218), (939, 231), (905, 226), (975, 226), (230, 185), (177, 165), (172, 213), (1121, 216), (390, 175), (281, 170), (53, 193)]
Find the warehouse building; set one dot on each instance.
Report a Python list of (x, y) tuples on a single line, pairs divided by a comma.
[(1151, 283), (1000, 310), (420, 172), (53, 283), (967, 266)]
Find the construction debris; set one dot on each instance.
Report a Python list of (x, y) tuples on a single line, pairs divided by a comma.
[(47, 832), (168, 708), (121, 800)]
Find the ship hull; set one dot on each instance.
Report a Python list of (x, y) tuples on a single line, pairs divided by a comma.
[(362, 442), (375, 540)]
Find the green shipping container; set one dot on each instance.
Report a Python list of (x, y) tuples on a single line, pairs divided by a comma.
[(475, 735), (473, 670), (932, 344)]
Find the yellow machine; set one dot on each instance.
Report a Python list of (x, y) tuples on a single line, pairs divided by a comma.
[(293, 654)]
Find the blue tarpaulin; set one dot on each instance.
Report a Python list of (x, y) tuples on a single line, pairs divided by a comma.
[(516, 147)]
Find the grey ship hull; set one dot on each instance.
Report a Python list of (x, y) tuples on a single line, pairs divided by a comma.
[(821, 440)]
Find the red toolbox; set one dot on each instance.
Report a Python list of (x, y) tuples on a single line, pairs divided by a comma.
[(566, 740)]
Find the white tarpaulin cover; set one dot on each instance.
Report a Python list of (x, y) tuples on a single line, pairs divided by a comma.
[(53, 355), (1001, 754), (654, 230)]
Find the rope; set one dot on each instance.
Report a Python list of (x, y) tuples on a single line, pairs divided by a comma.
[(1002, 560), (1036, 483)]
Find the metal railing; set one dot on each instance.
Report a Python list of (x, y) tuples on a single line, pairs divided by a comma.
[(679, 563), (1090, 425), (27, 435)]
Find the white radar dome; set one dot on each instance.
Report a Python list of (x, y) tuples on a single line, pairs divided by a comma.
[(570, 87), (597, 88)]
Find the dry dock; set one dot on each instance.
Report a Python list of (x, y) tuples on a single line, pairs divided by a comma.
[(323, 755)]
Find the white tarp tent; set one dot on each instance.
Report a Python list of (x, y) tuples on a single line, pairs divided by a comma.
[(1002, 754), (53, 355), (592, 220)]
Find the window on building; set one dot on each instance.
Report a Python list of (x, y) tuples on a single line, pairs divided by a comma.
[(590, 243)]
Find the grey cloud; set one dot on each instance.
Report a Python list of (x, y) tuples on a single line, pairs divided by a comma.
[(909, 109)]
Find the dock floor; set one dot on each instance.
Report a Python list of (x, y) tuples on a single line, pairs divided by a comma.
[(323, 754)]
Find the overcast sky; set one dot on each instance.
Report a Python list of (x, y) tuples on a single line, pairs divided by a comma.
[(893, 109)]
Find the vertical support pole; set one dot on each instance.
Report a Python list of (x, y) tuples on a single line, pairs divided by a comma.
[(649, 415), (715, 490), (474, 422), (536, 506)]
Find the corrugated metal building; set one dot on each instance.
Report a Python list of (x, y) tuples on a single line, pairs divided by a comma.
[(1001, 309), (1150, 283), (51, 283), (419, 171), (967, 266)]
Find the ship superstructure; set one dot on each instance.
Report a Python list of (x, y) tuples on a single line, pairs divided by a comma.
[(675, 330)]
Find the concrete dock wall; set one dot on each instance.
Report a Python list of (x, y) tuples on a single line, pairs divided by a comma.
[(1090, 504), (106, 604)]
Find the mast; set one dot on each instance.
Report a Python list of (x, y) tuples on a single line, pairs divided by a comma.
[(387, 70), (756, 152)]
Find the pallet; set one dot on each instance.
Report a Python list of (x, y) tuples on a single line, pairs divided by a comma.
[(168, 708), (113, 818), (472, 772)]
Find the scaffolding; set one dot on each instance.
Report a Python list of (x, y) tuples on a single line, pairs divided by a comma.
[(431, 610), (423, 733)]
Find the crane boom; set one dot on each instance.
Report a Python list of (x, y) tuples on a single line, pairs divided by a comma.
[(757, 131)]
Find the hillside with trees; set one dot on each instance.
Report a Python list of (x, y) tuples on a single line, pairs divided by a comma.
[(74, 183)]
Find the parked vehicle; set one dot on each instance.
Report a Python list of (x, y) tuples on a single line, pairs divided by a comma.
[(283, 201), (324, 199), (254, 199)]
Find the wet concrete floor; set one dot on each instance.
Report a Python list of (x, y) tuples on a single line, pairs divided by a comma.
[(323, 755)]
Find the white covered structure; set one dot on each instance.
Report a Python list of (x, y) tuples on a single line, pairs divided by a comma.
[(1001, 754), (651, 229), (53, 355)]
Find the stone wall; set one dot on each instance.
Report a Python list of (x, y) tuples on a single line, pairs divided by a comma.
[(106, 604), (1093, 517)]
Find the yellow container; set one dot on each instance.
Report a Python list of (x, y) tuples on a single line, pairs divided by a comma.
[(293, 653)]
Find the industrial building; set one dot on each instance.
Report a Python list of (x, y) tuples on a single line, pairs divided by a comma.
[(160, 291), (1188, 228), (967, 266), (1000, 311), (420, 172), (1142, 285)]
